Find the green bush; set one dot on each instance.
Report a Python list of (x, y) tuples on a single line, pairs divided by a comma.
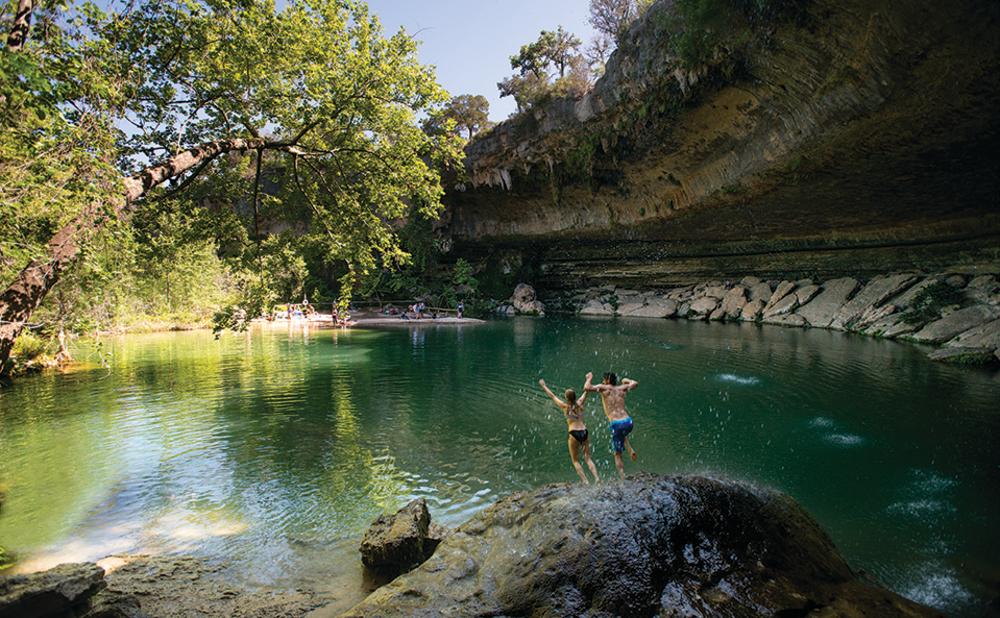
[(929, 302), (29, 347)]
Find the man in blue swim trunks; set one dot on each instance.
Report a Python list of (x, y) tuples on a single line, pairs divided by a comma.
[(613, 398)]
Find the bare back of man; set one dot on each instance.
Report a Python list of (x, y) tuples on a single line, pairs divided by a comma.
[(613, 399)]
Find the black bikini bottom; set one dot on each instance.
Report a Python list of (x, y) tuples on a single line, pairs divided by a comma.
[(579, 434)]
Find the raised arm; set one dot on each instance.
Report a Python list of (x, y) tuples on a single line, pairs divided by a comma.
[(587, 386), (558, 402), (628, 383)]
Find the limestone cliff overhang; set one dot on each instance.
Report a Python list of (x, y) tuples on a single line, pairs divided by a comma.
[(858, 121)]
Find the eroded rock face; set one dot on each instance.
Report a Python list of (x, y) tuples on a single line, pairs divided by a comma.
[(648, 546), (792, 167)]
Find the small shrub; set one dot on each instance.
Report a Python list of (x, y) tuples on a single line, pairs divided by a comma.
[(29, 347), (929, 302)]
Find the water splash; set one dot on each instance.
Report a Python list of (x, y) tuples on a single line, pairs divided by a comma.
[(938, 588)]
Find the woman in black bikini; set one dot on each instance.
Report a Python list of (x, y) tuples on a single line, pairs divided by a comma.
[(578, 438)]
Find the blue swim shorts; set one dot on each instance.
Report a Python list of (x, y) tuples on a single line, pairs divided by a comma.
[(619, 431)]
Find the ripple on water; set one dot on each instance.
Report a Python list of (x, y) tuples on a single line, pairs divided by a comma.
[(922, 509), (821, 422), (928, 481), (732, 378), (845, 439)]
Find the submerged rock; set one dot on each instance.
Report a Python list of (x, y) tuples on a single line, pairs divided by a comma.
[(668, 546), (963, 356), (395, 544)]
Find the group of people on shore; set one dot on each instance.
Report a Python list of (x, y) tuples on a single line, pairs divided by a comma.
[(612, 393), (419, 311)]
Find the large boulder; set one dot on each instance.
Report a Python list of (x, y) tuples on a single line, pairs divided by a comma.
[(790, 319), (871, 297), (905, 300), (667, 546), (821, 309), (396, 543), (786, 305), (806, 292), (652, 308), (596, 306), (751, 310), (760, 291), (702, 307), (733, 302), (782, 290), (984, 336), (955, 323), (525, 302)]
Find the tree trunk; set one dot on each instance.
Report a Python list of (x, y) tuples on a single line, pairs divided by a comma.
[(18, 35), (27, 291)]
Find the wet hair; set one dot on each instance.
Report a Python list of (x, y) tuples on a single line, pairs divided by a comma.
[(611, 378), (572, 405)]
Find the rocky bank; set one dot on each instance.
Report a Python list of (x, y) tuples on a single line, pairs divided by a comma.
[(959, 313), (650, 546)]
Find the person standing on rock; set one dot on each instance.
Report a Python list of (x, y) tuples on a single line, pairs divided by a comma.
[(613, 399), (579, 439)]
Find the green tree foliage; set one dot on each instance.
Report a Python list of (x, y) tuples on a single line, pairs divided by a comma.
[(95, 100), (465, 113), (548, 67), (612, 18)]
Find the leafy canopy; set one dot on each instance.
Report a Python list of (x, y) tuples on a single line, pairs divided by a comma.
[(315, 89)]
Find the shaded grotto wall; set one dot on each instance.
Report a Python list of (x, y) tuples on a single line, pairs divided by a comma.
[(861, 138)]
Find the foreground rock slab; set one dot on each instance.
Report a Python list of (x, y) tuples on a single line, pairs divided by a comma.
[(669, 546), (60, 591)]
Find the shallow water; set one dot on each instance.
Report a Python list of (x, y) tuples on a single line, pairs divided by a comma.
[(271, 451)]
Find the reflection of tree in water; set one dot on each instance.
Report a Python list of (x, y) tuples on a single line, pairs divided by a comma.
[(354, 468)]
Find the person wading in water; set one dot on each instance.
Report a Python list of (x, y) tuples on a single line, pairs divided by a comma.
[(613, 398), (579, 440)]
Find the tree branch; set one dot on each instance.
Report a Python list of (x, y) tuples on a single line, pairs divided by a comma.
[(18, 35)]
